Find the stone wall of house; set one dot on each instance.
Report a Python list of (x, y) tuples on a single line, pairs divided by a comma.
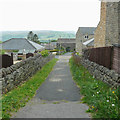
[(119, 22), (80, 38), (112, 33), (102, 73), (78, 42), (66, 45), (99, 37), (22, 71), (107, 32)]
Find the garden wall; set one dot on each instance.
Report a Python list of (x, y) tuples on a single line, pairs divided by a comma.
[(20, 72), (99, 72)]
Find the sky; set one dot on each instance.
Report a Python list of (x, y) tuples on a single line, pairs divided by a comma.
[(60, 15)]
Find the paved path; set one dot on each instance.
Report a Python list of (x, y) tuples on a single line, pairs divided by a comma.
[(57, 97)]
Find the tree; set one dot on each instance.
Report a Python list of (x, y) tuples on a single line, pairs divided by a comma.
[(30, 36), (35, 38)]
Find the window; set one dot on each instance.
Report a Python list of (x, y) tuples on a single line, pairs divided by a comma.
[(86, 36)]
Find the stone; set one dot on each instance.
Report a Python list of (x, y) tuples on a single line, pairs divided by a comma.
[(115, 76), (15, 74)]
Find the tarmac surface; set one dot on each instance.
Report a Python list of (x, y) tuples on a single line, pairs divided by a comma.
[(57, 97)]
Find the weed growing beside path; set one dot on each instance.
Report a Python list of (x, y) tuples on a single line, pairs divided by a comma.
[(103, 100), (18, 97)]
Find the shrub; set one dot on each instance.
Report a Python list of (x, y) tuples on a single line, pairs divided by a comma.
[(2, 52), (44, 53)]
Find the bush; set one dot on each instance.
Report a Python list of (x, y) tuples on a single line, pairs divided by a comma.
[(44, 53), (2, 52)]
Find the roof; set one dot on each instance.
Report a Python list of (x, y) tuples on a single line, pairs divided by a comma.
[(66, 40), (26, 51), (37, 46), (89, 42), (87, 30), (20, 44)]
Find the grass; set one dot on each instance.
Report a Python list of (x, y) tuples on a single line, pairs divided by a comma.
[(103, 101), (56, 102), (18, 97)]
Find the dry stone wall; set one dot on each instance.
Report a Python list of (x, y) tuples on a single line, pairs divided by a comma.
[(20, 72), (100, 72)]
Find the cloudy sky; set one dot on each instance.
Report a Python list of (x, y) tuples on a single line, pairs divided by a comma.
[(63, 15)]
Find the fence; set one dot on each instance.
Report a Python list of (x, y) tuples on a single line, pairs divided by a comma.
[(6, 60), (116, 59), (108, 57)]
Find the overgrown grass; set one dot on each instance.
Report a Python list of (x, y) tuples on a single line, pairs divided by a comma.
[(18, 97), (103, 100)]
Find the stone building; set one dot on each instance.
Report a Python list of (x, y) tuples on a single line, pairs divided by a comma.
[(83, 34), (108, 29), (67, 43)]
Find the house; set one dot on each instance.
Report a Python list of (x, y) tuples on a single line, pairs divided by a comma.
[(108, 29), (67, 43), (83, 34), (50, 46), (21, 45), (89, 43)]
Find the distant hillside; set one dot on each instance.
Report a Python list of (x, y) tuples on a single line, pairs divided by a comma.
[(43, 34)]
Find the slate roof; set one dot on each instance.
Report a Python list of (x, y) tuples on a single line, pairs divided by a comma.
[(89, 42), (26, 51), (87, 30), (20, 44), (66, 40)]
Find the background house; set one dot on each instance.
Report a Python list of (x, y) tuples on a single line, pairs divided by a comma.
[(67, 43), (49, 46), (83, 34), (21, 47), (89, 43)]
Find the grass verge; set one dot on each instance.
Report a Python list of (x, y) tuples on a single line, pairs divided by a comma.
[(103, 100), (18, 97)]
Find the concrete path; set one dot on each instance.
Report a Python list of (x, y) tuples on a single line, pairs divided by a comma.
[(57, 97)]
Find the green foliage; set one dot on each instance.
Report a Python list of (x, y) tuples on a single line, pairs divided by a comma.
[(18, 97), (30, 36), (15, 50), (2, 52), (38, 42), (53, 40), (35, 38), (103, 100), (44, 53), (61, 53)]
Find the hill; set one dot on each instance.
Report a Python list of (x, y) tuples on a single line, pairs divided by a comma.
[(43, 34)]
